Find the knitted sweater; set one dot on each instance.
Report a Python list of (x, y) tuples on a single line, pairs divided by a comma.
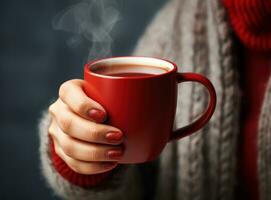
[(196, 35)]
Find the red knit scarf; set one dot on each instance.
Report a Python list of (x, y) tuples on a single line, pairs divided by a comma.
[(251, 21)]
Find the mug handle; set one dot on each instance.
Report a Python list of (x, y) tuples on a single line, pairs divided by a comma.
[(200, 122)]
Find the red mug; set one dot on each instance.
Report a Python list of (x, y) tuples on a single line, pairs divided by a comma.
[(140, 97)]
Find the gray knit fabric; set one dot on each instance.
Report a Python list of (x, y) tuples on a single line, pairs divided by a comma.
[(195, 34), (264, 146), (200, 41)]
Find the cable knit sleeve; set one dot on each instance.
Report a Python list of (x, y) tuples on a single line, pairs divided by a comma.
[(126, 181), (117, 183)]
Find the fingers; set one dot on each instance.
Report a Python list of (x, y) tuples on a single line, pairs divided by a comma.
[(82, 104), (85, 151), (83, 129), (86, 146), (82, 167)]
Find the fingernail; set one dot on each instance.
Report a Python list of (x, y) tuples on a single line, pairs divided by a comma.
[(97, 115), (115, 154), (114, 136)]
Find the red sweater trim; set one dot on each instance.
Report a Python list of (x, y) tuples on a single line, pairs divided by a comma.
[(251, 22), (75, 178), (255, 75)]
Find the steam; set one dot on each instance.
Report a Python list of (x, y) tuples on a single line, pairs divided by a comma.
[(91, 20)]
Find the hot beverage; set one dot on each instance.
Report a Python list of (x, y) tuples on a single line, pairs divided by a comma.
[(129, 74), (128, 70)]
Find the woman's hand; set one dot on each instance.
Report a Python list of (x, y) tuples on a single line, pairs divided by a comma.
[(84, 144)]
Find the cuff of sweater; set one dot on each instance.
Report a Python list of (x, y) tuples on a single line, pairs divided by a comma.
[(75, 178)]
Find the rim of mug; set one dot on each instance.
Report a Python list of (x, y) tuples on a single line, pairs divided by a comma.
[(91, 63)]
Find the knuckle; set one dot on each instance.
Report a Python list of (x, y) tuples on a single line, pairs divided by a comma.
[(64, 88), (95, 134), (51, 130), (52, 109), (68, 149), (58, 151), (96, 155), (83, 107), (65, 122)]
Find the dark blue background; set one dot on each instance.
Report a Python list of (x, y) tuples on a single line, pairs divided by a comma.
[(34, 61)]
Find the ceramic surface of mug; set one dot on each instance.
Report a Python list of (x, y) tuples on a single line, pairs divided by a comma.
[(140, 95)]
